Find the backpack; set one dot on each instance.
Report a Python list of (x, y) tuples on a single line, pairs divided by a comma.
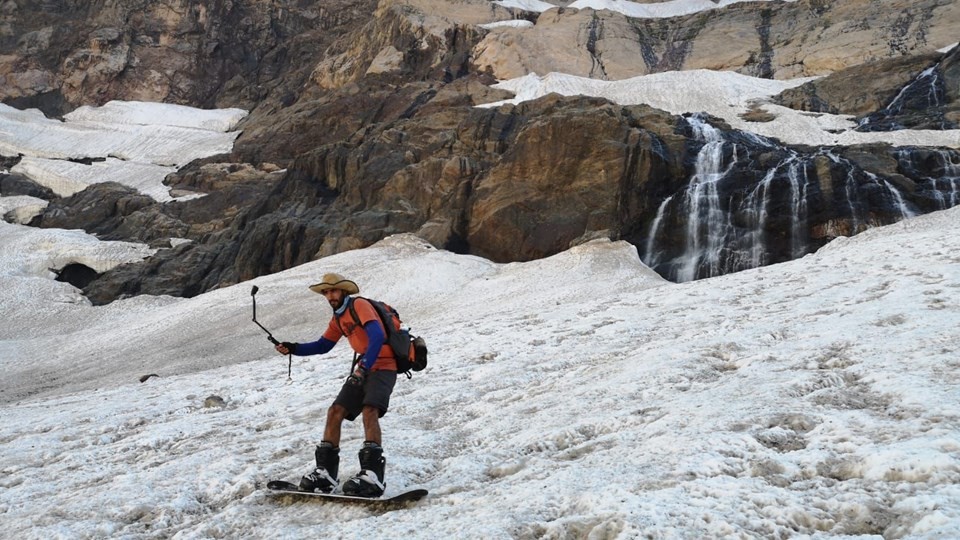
[(410, 351)]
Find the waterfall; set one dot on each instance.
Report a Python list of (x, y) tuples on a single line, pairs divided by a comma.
[(928, 78), (926, 92), (859, 183), (905, 211), (751, 201), (653, 256), (851, 193), (714, 245), (937, 173), (950, 181), (707, 223), (723, 221), (757, 204), (797, 174)]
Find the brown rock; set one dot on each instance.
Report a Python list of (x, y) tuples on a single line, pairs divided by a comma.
[(567, 175), (858, 90), (783, 40)]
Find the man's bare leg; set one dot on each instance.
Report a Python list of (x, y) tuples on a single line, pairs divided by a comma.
[(371, 424), (331, 431)]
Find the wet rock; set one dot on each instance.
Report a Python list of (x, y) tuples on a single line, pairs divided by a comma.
[(909, 92)]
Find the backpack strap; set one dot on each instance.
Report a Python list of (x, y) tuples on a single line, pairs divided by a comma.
[(356, 318), (353, 313), (385, 316), (387, 328)]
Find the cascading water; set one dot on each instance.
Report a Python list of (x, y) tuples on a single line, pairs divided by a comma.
[(860, 186), (653, 256), (725, 222), (917, 105), (937, 173), (735, 214), (707, 226)]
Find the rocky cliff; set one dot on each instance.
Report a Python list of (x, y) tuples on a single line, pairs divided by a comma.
[(364, 123)]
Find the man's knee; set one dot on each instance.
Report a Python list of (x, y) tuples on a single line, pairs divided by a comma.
[(371, 413), (336, 413)]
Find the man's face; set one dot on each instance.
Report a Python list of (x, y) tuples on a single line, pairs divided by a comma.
[(335, 297)]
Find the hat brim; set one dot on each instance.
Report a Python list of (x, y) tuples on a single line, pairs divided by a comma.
[(344, 284)]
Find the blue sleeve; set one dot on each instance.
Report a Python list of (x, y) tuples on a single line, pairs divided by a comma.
[(375, 339), (321, 346)]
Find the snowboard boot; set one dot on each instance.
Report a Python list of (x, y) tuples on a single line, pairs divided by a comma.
[(324, 477), (369, 482)]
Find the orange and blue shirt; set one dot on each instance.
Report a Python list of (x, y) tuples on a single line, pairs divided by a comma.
[(366, 336)]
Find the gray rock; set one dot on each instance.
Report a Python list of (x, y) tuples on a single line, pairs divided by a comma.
[(214, 402)]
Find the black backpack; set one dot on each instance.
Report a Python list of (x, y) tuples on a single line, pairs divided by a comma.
[(410, 351)]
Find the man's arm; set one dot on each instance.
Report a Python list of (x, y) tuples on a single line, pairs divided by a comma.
[(320, 346), (375, 339)]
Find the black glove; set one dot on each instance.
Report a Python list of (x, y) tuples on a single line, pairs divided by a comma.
[(358, 377), (290, 347)]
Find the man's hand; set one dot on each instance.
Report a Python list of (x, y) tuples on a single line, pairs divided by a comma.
[(286, 348), (358, 377)]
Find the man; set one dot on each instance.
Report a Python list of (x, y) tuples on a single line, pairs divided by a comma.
[(366, 391)]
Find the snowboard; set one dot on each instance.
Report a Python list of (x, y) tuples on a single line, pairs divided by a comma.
[(280, 487)]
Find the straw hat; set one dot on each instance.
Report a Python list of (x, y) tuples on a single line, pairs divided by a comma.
[(335, 281)]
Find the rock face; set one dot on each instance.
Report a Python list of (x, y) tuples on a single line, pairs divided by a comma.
[(59, 54), (913, 92), (763, 39), (549, 189), (14, 184), (364, 124)]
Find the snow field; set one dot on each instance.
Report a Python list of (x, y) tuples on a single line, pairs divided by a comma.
[(579, 395)]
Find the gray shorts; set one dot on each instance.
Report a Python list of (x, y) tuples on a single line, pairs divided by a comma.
[(375, 392)]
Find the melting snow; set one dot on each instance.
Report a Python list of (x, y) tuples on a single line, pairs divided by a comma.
[(137, 144), (654, 10), (727, 95), (579, 395)]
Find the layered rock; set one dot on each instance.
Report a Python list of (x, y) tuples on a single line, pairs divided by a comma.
[(762, 39), (58, 54), (912, 92)]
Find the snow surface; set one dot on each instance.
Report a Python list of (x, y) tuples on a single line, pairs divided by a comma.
[(68, 177), (727, 95), (575, 396), (515, 23), (139, 143), (21, 208), (656, 10)]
